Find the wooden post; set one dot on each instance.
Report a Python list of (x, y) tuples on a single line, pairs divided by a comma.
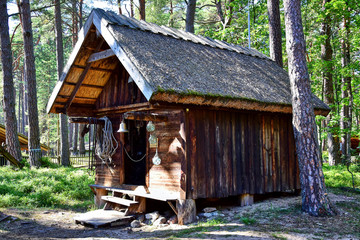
[(246, 199), (99, 193), (186, 211)]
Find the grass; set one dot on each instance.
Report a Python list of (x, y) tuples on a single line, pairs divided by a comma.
[(338, 176), (62, 187)]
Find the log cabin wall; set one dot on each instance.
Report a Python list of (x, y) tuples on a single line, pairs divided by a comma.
[(118, 91), (231, 153), (168, 176)]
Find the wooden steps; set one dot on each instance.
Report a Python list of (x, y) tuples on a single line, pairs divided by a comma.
[(120, 201)]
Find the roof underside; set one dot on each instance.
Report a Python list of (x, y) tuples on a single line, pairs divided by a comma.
[(161, 60)]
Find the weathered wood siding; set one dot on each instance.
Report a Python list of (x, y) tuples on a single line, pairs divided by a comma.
[(231, 153), (171, 150), (118, 91)]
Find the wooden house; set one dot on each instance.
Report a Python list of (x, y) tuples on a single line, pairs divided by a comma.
[(222, 113)]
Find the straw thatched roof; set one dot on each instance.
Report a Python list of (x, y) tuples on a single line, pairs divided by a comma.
[(170, 65)]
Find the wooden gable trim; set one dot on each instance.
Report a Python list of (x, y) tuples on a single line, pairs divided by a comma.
[(143, 85), (81, 37), (101, 55)]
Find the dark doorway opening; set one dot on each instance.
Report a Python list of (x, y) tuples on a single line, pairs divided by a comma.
[(135, 151)]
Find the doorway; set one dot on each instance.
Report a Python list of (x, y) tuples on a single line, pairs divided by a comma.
[(135, 153)]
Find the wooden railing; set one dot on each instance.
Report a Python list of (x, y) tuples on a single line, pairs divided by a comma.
[(78, 160)]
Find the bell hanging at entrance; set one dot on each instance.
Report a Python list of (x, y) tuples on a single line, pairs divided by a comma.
[(122, 128), (150, 127)]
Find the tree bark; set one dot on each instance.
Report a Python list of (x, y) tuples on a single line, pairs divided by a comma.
[(346, 94), (326, 56), (190, 16), (142, 9), (30, 73), (275, 39), (119, 6), (81, 140), (313, 191), (75, 138), (64, 143), (12, 139)]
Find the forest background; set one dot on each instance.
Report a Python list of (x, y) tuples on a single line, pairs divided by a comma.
[(225, 20)]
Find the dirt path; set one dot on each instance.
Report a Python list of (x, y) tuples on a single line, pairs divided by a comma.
[(279, 218)]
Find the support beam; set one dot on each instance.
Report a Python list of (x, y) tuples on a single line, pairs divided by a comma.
[(186, 211), (88, 120), (124, 108), (101, 55), (84, 85), (81, 78), (9, 157), (246, 199), (94, 68)]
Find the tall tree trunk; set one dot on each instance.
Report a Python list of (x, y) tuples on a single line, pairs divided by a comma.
[(275, 39), (64, 143), (80, 14), (190, 16), (346, 94), (71, 130), (12, 139), (326, 56), (142, 9), (314, 197), (81, 140), (119, 6), (131, 8), (74, 22), (75, 138), (30, 72)]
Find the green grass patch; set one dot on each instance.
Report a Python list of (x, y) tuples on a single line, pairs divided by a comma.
[(62, 187), (338, 176), (247, 220)]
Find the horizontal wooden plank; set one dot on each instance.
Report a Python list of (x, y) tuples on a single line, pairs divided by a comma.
[(101, 55)]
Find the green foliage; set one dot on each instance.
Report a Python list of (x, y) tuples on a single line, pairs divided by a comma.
[(57, 188), (247, 220), (338, 176)]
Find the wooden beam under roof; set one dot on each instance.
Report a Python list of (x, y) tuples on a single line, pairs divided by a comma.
[(101, 55), (85, 85), (94, 68), (81, 78)]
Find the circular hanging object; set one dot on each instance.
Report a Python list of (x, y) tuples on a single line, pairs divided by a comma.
[(156, 160), (150, 127)]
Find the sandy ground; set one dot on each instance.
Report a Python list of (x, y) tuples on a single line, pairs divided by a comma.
[(279, 218)]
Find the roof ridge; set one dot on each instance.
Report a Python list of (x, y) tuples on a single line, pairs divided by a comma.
[(122, 20)]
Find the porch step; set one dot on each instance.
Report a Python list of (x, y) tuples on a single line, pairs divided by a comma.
[(117, 200)]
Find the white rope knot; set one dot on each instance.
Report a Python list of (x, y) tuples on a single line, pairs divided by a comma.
[(106, 148)]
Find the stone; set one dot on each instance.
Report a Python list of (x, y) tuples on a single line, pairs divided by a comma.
[(209, 209), (135, 224), (207, 215), (160, 220), (152, 216), (141, 218), (172, 220)]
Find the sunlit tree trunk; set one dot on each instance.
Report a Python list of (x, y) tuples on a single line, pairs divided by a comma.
[(326, 56), (64, 143), (142, 9), (275, 39), (12, 141), (314, 197), (30, 73), (346, 93)]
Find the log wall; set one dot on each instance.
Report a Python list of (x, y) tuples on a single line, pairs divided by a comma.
[(171, 150), (118, 92), (232, 153)]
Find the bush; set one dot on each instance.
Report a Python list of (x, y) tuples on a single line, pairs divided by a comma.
[(338, 176)]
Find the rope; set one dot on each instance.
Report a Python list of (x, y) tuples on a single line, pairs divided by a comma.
[(107, 148), (134, 160)]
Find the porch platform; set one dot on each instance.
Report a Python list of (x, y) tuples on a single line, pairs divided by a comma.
[(139, 191)]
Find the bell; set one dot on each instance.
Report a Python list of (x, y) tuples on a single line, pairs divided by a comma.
[(122, 128)]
